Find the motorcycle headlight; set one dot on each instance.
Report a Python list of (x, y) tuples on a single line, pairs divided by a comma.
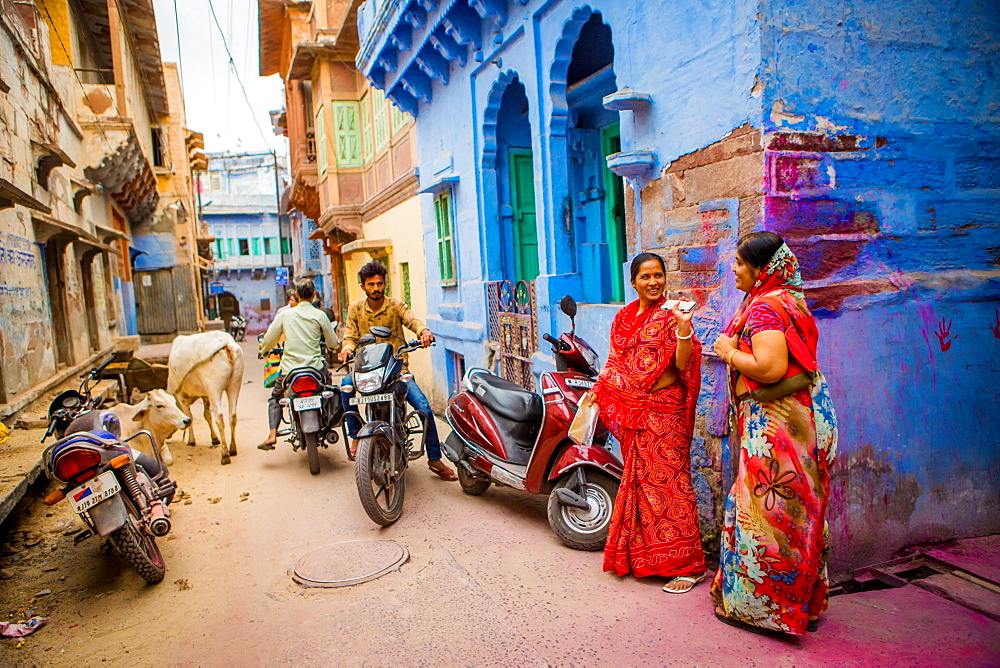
[(368, 381)]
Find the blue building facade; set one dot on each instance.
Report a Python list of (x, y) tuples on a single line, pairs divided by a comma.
[(240, 208), (558, 138)]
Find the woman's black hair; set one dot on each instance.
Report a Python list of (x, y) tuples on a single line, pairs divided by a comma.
[(645, 257), (757, 248)]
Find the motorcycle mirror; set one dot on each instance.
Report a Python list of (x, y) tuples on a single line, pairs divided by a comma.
[(381, 332), (260, 338), (568, 306), (366, 339)]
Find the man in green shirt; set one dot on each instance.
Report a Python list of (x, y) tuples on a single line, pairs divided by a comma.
[(304, 326)]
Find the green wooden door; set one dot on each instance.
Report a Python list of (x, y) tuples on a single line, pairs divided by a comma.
[(522, 200), (614, 212)]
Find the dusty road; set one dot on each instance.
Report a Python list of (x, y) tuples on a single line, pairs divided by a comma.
[(487, 583)]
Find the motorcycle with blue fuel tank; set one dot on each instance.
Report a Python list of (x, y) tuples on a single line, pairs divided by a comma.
[(119, 493)]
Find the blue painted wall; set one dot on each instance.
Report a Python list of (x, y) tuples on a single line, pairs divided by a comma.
[(867, 134)]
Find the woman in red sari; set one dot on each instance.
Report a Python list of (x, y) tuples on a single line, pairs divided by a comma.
[(647, 394), (772, 566)]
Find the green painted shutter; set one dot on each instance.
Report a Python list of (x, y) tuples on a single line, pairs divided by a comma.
[(258, 246), (286, 246), (446, 252), (404, 272), (367, 140), (347, 134), (399, 119), (380, 119), (522, 185)]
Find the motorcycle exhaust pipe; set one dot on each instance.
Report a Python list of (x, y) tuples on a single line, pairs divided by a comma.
[(160, 524)]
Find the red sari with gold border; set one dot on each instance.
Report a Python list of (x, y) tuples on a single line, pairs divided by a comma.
[(654, 526)]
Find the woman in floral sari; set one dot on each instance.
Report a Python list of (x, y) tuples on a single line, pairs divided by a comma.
[(772, 567), (647, 393)]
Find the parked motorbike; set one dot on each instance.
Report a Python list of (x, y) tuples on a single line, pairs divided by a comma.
[(119, 493), (390, 437), (312, 409), (506, 435), (238, 327), (71, 404)]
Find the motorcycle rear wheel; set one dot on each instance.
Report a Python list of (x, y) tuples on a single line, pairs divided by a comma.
[(138, 548), (379, 471), (312, 451)]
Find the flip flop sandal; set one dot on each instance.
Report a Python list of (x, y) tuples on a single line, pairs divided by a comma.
[(682, 579), (266, 446), (812, 626), (448, 474)]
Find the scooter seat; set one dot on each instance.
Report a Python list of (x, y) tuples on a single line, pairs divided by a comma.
[(505, 398)]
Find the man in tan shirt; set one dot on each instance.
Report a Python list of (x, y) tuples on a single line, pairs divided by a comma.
[(378, 310)]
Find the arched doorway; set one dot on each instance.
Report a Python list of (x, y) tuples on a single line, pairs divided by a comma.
[(596, 195), (516, 185), (229, 306)]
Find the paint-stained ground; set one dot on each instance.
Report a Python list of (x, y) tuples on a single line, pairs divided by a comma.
[(487, 583)]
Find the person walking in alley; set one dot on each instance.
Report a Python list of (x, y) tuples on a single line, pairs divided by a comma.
[(378, 310), (772, 566), (304, 327), (647, 394)]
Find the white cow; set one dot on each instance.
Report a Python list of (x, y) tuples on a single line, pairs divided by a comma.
[(159, 414), (203, 366)]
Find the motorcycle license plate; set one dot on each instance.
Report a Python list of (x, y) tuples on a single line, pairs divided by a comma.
[(576, 382), (307, 403), (94, 491), (370, 399)]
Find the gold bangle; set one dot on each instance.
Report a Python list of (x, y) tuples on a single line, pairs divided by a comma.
[(729, 357)]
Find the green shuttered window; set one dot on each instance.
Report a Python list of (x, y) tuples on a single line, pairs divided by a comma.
[(347, 139), (446, 248)]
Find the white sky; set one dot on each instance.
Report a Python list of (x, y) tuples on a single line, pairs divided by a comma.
[(214, 101)]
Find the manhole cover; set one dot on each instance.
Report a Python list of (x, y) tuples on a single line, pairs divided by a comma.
[(349, 563)]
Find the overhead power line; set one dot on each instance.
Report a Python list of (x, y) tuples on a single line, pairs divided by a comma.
[(232, 66)]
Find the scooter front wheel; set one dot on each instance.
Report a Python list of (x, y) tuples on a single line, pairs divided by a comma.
[(379, 471), (578, 528)]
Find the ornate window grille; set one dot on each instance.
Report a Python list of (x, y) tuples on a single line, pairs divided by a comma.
[(512, 326)]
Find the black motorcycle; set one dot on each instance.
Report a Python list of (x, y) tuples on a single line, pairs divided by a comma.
[(390, 437), (119, 493), (314, 413)]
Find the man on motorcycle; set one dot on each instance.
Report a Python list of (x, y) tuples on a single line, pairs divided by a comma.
[(378, 310), (304, 327)]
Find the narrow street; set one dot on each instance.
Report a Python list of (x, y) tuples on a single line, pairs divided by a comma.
[(486, 583)]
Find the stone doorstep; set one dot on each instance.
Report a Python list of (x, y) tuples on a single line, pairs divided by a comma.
[(20, 466)]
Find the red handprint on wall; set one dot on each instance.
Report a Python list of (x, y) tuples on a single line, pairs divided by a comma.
[(995, 328), (944, 332)]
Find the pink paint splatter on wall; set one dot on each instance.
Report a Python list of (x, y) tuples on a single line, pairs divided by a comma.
[(995, 328), (944, 335)]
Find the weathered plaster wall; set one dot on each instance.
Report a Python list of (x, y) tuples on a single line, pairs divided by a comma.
[(883, 171)]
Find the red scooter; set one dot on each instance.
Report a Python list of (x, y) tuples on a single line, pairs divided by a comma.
[(506, 435)]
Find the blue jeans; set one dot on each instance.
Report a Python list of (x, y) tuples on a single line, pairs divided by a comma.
[(415, 397)]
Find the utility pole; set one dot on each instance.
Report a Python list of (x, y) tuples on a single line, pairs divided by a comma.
[(281, 229)]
